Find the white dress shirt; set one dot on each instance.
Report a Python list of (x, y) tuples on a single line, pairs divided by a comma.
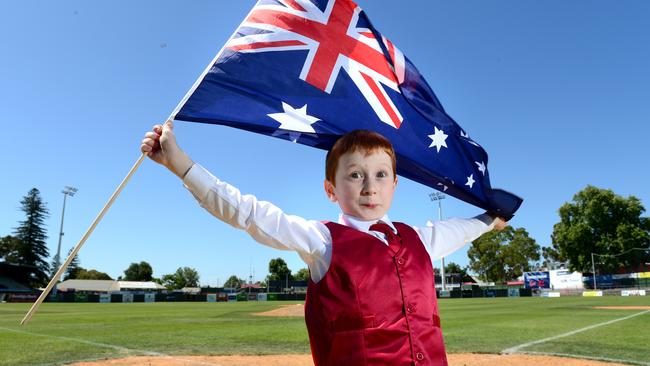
[(311, 239)]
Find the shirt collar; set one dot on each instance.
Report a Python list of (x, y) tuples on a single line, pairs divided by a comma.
[(361, 225)]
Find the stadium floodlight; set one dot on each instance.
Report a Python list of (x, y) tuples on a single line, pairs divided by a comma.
[(67, 191), (437, 196)]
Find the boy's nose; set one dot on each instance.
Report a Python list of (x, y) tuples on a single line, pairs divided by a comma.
[(368, 188)]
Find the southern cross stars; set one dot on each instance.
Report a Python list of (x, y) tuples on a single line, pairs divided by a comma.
[(470, 181), (438, 139), (481, 167)]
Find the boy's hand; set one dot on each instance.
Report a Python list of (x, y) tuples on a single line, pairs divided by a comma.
[(160, 145), (499, 224)]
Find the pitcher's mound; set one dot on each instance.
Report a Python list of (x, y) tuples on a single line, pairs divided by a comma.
[(285, 310)]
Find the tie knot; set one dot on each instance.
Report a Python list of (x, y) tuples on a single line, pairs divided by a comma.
[(394, 242), (383, 228)]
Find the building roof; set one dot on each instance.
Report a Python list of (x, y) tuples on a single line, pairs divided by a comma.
[(137, 285), (88, 285), (191, 290), (107, 285)]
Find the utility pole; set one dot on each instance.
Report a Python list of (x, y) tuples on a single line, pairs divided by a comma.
[(67, 191), (593, 269), (437, 196)]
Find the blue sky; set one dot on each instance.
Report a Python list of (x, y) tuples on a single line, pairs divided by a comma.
[(557, 93)]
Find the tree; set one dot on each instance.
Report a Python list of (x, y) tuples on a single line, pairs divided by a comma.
[(552, 256), (454, 268), (138, 272), (31, 233), (233, 282), (602, 222), (73, 269), (9, 246), (499, 256), (92, 274), (279, 271), (183, 277), (302, 275)]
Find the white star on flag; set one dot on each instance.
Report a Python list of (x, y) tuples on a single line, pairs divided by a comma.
[(470, 181), (481, 167), (294, 120), (444, 187), (463, 134), (438, 139)]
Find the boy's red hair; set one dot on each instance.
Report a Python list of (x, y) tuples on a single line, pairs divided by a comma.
[(365, 140)]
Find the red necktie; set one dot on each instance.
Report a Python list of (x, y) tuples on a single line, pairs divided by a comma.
[(394, 241)]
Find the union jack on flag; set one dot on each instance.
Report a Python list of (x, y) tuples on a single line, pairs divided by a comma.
[(311, 71)]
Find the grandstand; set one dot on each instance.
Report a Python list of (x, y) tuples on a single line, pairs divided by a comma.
[(14, 283)]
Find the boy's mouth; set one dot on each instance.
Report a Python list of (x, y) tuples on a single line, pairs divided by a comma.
[(369, 205)]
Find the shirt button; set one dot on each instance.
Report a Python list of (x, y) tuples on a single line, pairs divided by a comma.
[(419, 356), (400, 261)]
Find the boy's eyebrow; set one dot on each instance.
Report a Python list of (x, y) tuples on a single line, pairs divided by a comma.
[(382, 165)]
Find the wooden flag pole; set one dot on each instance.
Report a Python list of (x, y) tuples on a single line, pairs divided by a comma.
[(74, 252), (65, 265)]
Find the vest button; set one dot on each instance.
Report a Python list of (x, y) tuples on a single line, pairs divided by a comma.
[(400, 261), (419, 356), (410, 308)]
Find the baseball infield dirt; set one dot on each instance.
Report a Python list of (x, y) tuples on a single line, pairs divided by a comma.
[(457, 359), (468, 359)]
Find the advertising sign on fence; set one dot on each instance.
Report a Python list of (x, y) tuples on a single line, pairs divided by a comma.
[(537, 280), (592, 293), (633, 293), (550, 294), (513, 292), (563, 279), (104, 298), (211, 298), (127, 297), (149, 297)]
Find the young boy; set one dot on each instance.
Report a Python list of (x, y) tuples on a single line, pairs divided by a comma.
[(371, 298)]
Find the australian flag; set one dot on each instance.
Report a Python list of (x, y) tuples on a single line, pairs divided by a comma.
[(311, 71)]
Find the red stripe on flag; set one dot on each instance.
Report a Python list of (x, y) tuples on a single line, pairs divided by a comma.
[(391, 50), (294, 4), (384, 103), (257, 45)]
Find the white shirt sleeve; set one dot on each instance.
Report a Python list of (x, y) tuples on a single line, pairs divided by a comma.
[(262, 220), (447, 236)]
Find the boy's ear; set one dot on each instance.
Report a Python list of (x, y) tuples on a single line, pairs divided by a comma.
[(329, 190)]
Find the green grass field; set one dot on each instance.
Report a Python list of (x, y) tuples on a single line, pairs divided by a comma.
[(63, 333)]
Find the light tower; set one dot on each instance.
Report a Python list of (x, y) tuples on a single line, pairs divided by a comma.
[(67, 191), (437, 196)]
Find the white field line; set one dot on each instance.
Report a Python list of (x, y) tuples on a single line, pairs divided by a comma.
[(516, 349), (117, 348), (607, 359)]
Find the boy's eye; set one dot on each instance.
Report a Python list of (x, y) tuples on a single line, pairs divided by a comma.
[(382, 174), (356, 175)]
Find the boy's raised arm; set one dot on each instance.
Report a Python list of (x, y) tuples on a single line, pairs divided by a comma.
[(447, 236), (263, 221)]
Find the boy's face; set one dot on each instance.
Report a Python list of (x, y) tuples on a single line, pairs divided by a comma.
[(365, 183)]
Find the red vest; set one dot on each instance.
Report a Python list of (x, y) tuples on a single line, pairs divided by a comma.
[(375, 306)]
